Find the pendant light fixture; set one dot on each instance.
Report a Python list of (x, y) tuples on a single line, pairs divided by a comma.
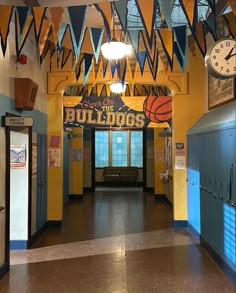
[(114, 49), (117, 87)]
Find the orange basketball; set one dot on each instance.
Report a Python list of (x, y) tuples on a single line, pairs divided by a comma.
[(158, 109)]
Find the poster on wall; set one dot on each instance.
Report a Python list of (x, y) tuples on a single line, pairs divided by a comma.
[(18, 156), (220, 92), (54, 157)]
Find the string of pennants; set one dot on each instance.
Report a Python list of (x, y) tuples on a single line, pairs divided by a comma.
[(82, 44)]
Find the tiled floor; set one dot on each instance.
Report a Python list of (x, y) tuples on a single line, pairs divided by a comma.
[(115, 241)]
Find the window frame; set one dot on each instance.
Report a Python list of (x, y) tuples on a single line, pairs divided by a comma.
[(110, 144)]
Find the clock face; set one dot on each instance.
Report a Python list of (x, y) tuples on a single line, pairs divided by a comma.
[(221, 59)]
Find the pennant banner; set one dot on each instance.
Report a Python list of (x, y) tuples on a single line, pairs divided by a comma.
[(66, 53), (38, 16), (56, 14), (87, 65), (106, 11), (104, 67), (210, 22), (77, 15), (163, 57), (22, 31), (122, 13), (121, 69), (166, 8), (189, 8), (86, 45), (43, 35), (147, 11), (96, 39), (167, 39), (179, 56), (5, 19), (22, 13), (152, 53)]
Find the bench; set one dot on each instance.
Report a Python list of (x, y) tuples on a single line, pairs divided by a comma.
[(120, 175)]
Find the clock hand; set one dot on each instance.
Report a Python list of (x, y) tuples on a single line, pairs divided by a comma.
[(229, 55)]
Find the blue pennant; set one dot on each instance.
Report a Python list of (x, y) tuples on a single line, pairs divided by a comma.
[(211, 25), (179, 56), (166, 7), (181, 38), (113, 67), (87, 65), (77, 19), (122, 12), (141, 58), (96, 38), (23, 13)]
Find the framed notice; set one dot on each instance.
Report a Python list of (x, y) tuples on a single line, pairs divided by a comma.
[(220, 92)]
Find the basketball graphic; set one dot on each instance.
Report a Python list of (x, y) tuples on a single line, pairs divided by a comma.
[(158, 108)]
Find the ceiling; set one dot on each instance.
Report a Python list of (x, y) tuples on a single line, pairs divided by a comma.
[(94, 19)]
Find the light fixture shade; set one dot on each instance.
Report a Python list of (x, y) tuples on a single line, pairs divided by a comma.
[(114, 49), (117, 87)]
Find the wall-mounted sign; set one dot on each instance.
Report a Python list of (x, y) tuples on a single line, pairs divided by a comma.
[(135, 112), (18, 121)]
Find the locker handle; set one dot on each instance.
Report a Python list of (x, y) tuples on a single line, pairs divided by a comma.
[(1, 208)]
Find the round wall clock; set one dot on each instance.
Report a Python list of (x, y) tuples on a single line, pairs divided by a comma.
[(220, 59)]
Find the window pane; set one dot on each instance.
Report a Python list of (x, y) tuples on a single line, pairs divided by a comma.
[(119, 148), (136, 148), (101, 149)]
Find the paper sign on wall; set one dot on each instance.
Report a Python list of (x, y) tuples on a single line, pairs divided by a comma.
[(54, 158), (180, 162), (17, 156)]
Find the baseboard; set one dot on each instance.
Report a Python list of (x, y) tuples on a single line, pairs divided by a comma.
[(18, 244), (193, 231), (3, 270), (119, 184), (88, 189), (36, 235), (178, 224), (75, 196), (54, 224), (230, 273), (148, 189)]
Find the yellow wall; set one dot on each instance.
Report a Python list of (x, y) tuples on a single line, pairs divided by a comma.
[(55, 174), (159, 148), (186, 110)]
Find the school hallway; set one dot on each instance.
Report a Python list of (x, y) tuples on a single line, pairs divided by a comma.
[(115, 240)]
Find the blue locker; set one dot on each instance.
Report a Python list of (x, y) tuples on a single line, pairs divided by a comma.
[(212, 148)]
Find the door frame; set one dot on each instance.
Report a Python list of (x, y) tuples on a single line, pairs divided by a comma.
[(7, 187)]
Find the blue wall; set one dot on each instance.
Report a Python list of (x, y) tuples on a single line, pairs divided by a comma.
[(40, 119)]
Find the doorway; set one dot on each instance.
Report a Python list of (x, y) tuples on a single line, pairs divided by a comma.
[(18, 198)]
